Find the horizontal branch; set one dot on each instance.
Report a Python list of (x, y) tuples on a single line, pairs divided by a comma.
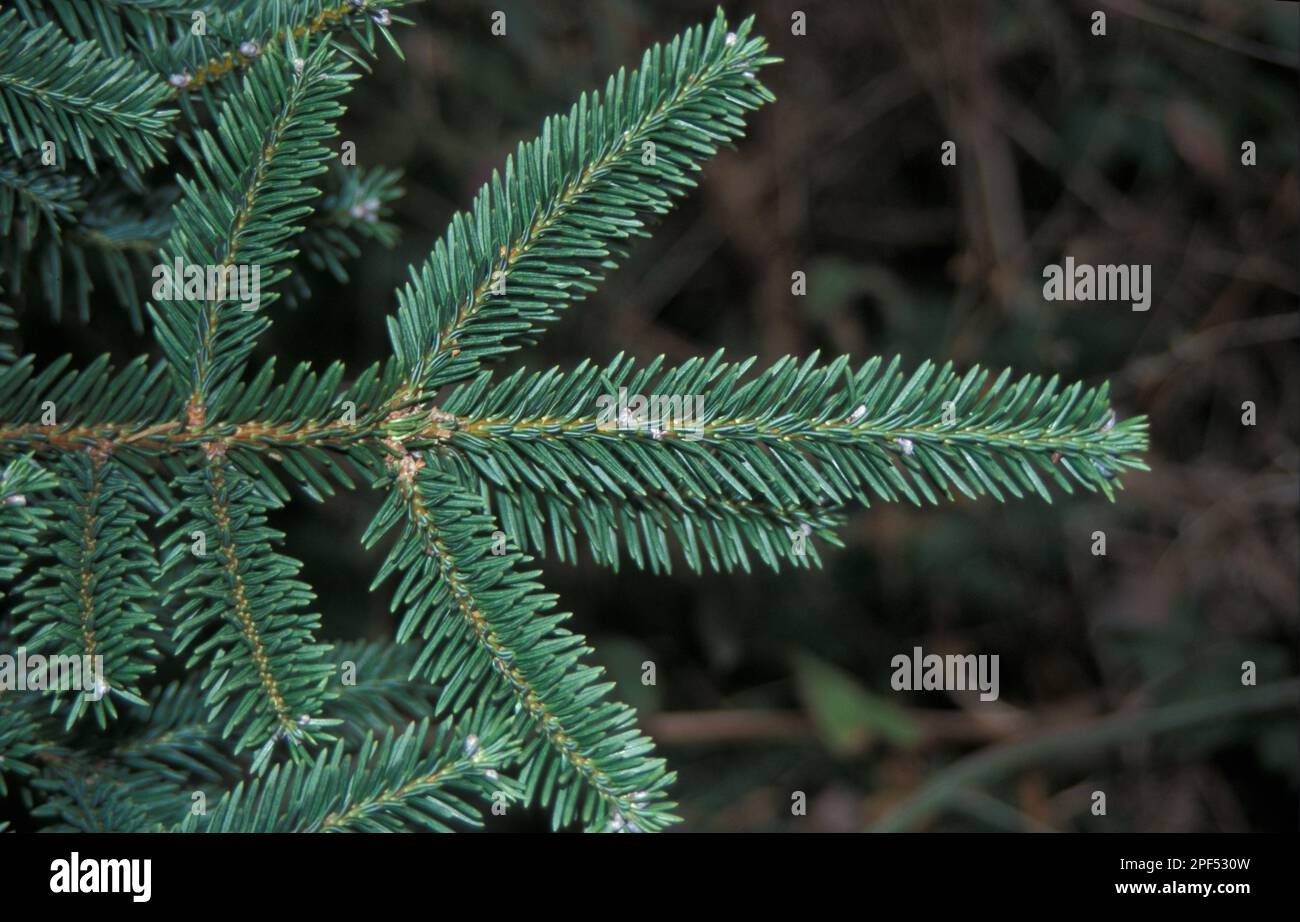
[(234, 38), (748, 429), (450, 429), (174, 436), (797, 432), (756, 456)]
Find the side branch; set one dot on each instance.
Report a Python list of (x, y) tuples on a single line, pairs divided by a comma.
[(176, 436), (487, 628), (238, 592)]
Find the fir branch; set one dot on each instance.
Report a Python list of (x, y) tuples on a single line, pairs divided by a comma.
[(355, 211), (239, 609), (52, 89), (35, 198), (67, 221), (544, 234), (63, 223), (90, 599), (120, 232), (86, 792), (767, 461), (118, 26), (24, 513), (765, 456), (385, 786), (488, 629), (143, 781), (381, 693), (78, 798), (250, 187), (234, 37), (310, 424), (91, 408), (707, 530), (22, 741), (176, 742), (787, 449), (309, 421)]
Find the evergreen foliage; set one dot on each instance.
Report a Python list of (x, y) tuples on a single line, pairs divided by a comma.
[(92, 581), (134, 499)]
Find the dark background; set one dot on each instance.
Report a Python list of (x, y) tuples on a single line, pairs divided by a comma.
[(1117, 149)]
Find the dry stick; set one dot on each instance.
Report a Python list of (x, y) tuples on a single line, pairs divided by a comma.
[(992, 763)]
